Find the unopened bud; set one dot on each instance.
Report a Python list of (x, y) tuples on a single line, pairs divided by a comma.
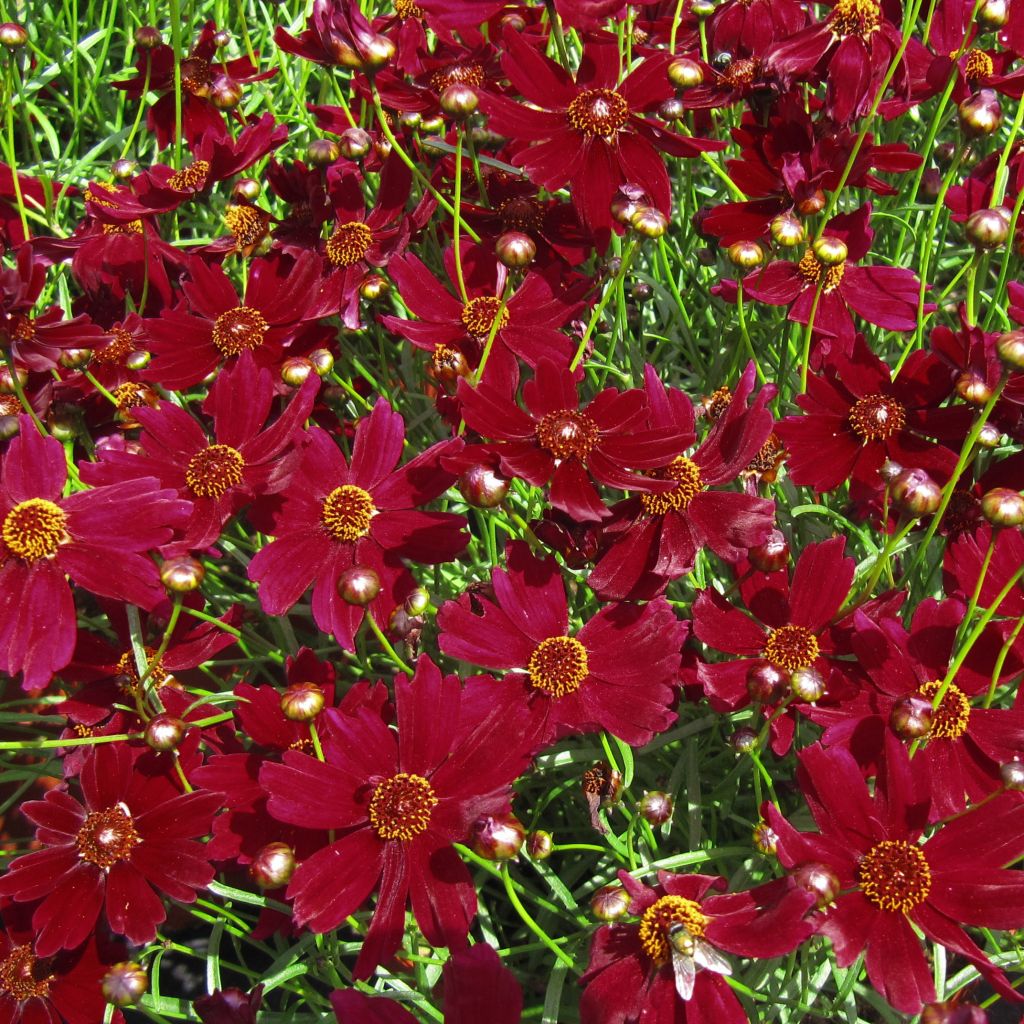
[(539, 844), (766, 839), (1013, 775), (125, 983), (358, 585), (164, 732), (744, 739), (649, 222), (459, 101), (1003, 507), (787, 230), (123, 168), (745, 255), (482, 487), (656, 807), (302, 702), (980, 114), (772, 555), (911, 717), (994, 13), (916, 492), (765, 683), (75, 358), (225, 92), (1010, 347), (812, 204), (373, 287), (819, 880), (672, 109), (515, 249), (497, 836), (971, 387), (273, 866), (988, 229), (807, 684), (295, 371), (147, 37), (182, 575), (323, 152), (685, 74), (12, 35), (610, 902), (830, 251)]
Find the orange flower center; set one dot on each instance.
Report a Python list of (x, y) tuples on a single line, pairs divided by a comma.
[(130, 394), (195, 74), (214, 471), (238, 329), (466, 74), (855, 18), (118, 349), (663, 915), (951, 717), (598, 112), (689, 484), (408, 9), (19, 975), (34, 528), (401, 806), (107, 837), (877, 417), (349, 243), (247, 224), (478, 315), (191, 178), (977, 65), (558, 666), (127, 669), (521, 214), (567, 433), (347, 512), (895, 876), (742, 71), (812, 270), (791, 647)]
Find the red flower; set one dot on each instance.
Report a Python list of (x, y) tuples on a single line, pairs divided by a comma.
[(98, 537), (893, 884), (616, 673), (337, 515), (114, 854), (589, 130), (400, 802)]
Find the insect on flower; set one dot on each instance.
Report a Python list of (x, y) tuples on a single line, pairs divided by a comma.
[(690, 952)]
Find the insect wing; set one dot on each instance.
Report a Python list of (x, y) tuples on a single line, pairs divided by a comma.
[(710, 959), (685, 973)]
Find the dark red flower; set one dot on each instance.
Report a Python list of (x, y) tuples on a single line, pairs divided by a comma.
[(114, 855), (400, 802), (230, 1006)]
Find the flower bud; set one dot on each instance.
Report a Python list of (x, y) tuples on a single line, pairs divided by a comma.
[(641, 291), (164, 732), (497, 836), (459, 101), (449, 364), (990, 436), (988, 229), (830, 251), (745, 255), (950, 1012), (980, 114), (539, 844), (302, 702), (744, 739), (672, 109), (295, 371), (766, 839), (482, 487), (1010, 347), (373, 287), (75, 358), (626, 202), (514, 20), (971, 387), (358, 585), (1003, 507), (379, 51), (273, 866), (787, 230), (702, 9), (911, 717), (814, 203), (123, 168), (221, 38), (819, 880), (807, 684), (649, 222), (7, 382), (323, 152), (765, 683), (125, 983), (352, 143), (916, 492), (182, 575), (994, 13), (147, 37), (137, 360), (322, 361), (656, 807), (772, 555), (685, 74), (889, 470), (246, 190), (9, 427), (610, 902), (225, 92), (1013, 775), (410, 119), (515, 249), (12, 35)]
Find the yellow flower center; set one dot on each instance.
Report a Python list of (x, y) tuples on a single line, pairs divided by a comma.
[(689, 484), (951, 717), (812, 270), (791, 647), (877, 417), (478, 315), (558, 666), (239, 329), (401, 806), (662, 916), (347, 512), (214, 471), (349, 243), (598, 112), (568, 433), (895, 876), (34, 528)]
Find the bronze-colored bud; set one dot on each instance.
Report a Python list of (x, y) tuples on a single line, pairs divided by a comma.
[(459, 101), (323, 152), (610, 902), (483, 487), (225, 92), (787, 230), (814, 203), (744, 739), (221, 38), (302, 702), (539, 844), (75, 358), (1010, 347), (322, 360), (765, 683), (766, 839), (125, 983), (516, 249), (745, 255), (164, 732), (295, 371), (379, 51), (772, 555), (672, 109), (916, 492), (182, 575), (807, 684), (980, 114), (994, 14), (1003, 507), (685, 74), (123, 168), (137, 360), (990, 436), (147, 37), (246, 190), (417, 602), (649, 222), (819, 880), (373, 287), (971, 387), (358, 585), (988, 229), (273, 866), (911, 717), (497, 836), (1013, 775), (12, 35), (656, 807), (830, 251), (354, 143)]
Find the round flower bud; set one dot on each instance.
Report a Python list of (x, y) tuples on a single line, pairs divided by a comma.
[(772, 555), (702, 9), (745, 255), (221, 38), (610, 902), (980, 114), (379, 50), (164, 732), (182, 575), (807, 684), (1013, 775), (766, 839), (814, 203), (971, 387), (147, 37), (787, 230), (765, 683), (432, 124), (459, 101), (373, 287), (9, 427), (273, 866), (354, 143), (13, 35), (246, 190), (123, 169), (449, 365), (916, 492), (497, 836), (994, 13), (819, 880), (539, 844), (649, 222), (515, 249), (295, 371), (482, 487), (225, 92), (672, 109), (987, 229), (417, 602), (684, 73), (830, 251), (1003, 507), (641, 291), (75, 358), (514, 20), (125, 983), (322, 361), (627, 202), (358, 585), (989, 436), (911, 717), (656, 807), (322, 152), (889, 470), (744, 739), (302, 702), (7, 382), (1010, 347), (63, 424), (410, 119), (137, 360), (950, 1012)]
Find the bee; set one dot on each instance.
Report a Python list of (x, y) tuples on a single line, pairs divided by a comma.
[(688, 953)]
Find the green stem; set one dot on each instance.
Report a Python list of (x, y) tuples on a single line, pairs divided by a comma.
[(530, 923), (386, 644)]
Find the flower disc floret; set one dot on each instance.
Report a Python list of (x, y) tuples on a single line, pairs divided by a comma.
[(814, 272), (521, 213), (192, 177), (894, 875), (239, 329), (401, 806), (457, 74), (34, 529), (349, 243), (791, 647), (247, 224), (566, 433), (855, 18), (689, 484), (18, 975), (598, 112), (877, 417), (479, 314), (951, 717), (978, 64), (408, 9), (128, 668), (347, 512), (662, 915), (107, 837), (213, 471), (558, 666)]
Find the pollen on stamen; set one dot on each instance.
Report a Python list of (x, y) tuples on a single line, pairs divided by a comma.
[(568, 433), (457, 74), (689, 483), (479, 314), (128, 671), (239, 329), (877, 417), (34, 529), (598, 112), (813, 271), (349, 243), (977, 64), (248, 225), (660, 917), (22, 978), (115, 353), (107, 837), (193, 177), (951, 718), (791, 647), (401, 806), (558, 666), (855, 18), (347, 513), (213, 471), (895, 876), (521, 214)]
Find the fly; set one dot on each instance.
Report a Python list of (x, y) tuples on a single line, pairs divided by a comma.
[(690, 952)]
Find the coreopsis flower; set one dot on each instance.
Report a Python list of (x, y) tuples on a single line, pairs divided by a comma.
[(98, 537), (969, 568), (399, 802), (33, 196), (589, 130), (856, 415), (615, 673), (893, 885), (115, 854), (633, 974), (655, 537), (336, 32), (886, 296), (229, 1006), (219, 475), (213, 325), (338, 515), (556, 441), (750, 26)]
